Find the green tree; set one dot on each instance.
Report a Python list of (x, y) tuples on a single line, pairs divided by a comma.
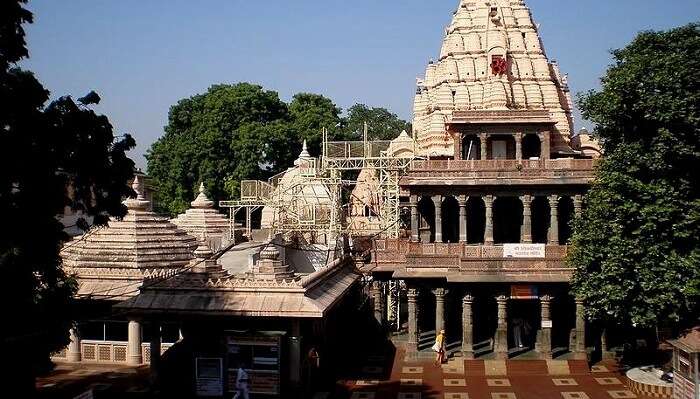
[(636, 248), (381, 123), (44, 149), (311, 113), (209, 137)]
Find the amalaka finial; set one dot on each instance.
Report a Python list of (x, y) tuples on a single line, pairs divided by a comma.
[(202, 201), (137, 186)]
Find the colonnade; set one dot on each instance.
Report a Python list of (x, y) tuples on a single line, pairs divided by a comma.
[(543, 343), (488, 202), (543, 150)]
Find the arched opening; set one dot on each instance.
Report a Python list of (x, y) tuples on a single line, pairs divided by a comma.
[(471, 147), (540, 220), (476, 220), (507, 219), (566, 216), (426, 222), (450, 220), (501, 147), (532, 147)]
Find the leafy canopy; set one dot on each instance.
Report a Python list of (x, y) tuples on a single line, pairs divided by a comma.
[(45, 152), (236, 132), (636, 248)]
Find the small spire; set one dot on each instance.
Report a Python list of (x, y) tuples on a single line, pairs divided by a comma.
[(137, 186), (202, 201), (304, 151), (140, 201)]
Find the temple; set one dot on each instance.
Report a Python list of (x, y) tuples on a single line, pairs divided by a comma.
[(461, 225)]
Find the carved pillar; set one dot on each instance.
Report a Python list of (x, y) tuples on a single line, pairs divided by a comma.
[(74, 349), (439, 308), (134, 357), (483, 137), (500, 342), (467, 327), (463, 218), (578, 205), (412, 343), (526, 228), (414, 218), (519, 146), (545, 144), (553, 237), (544, 334), (378, 298), (437, 201), (580, 346), (488, 230)]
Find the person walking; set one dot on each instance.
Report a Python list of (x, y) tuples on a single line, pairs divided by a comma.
[(439, 348)]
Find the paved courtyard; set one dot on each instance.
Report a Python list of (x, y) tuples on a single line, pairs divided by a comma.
[(485, 379)]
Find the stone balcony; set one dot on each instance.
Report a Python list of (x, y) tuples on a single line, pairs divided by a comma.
[(500, 171), (460, 262)]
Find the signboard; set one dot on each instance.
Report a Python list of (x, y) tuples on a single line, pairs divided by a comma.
[(209, 372), (523, 292), (523, 251), (546, 323)]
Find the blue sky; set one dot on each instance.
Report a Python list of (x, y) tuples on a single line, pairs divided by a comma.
[(143, 56)]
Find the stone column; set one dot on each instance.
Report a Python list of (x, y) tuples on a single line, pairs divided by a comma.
[(467, 327), (483, 137), (544, 334), (439, 309), (134, 357), (412, 343), (437, 201), (578, 205), (500, 342), (526, 228), (545, 144), (74, 349), (488, 230), (519, 146), (580, 347), (414, 218), (463, 218), (553, 236), (295, 355), (378, 297)]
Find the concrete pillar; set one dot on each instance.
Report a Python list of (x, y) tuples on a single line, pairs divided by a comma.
[(467, 327), (553, 236), (412, 343), (134, 357), (488, 231), (544, 335), (437, 201), (526, 228), (500, 342), (378, 297), (462, 218), (519, 146), (74, 347), (439, 308), (578, 205), (483, 137), (414, 218), (295, 355), (580, 345)]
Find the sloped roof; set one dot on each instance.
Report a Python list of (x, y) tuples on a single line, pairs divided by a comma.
[(202, 219)]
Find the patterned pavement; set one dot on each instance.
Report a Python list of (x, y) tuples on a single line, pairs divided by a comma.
[(486, 379)]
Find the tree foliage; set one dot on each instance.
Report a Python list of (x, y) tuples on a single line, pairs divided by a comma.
[(636, 248), (44, 149), (236, 132)]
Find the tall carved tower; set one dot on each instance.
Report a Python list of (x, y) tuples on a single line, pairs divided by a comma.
[(492, 70)]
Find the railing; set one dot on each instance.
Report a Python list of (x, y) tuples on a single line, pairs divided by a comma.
[(503, 165), (394, 248), (96, 351), (356, 149)]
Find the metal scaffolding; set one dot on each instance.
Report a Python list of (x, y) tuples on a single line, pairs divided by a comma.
[(310, 200)]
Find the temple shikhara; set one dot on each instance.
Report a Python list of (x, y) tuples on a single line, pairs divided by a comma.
[(460, 225)]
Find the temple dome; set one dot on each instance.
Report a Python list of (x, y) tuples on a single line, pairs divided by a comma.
[(113, 261), (491, 60), (202, 219)]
